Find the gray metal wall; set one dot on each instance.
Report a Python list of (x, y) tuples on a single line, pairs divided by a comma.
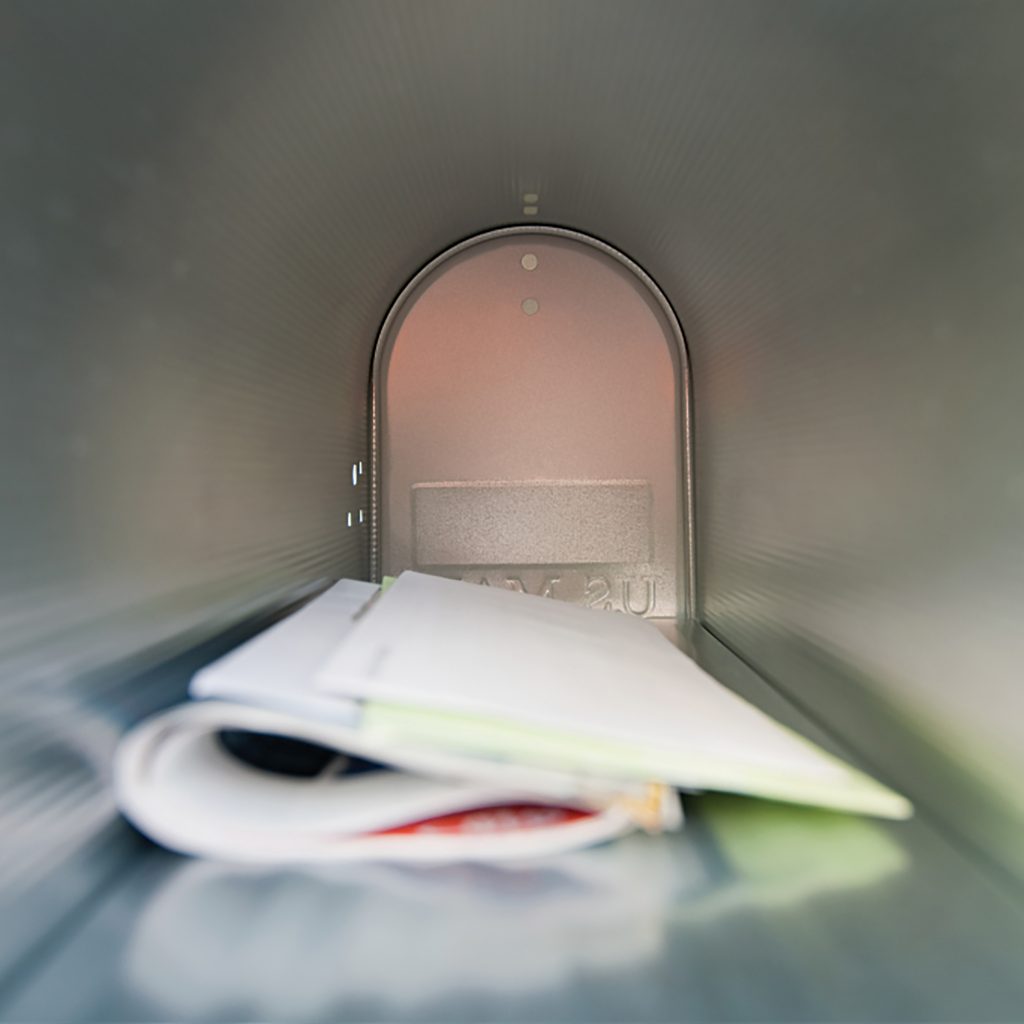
[(207, 209)]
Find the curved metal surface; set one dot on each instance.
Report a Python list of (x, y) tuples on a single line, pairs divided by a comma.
[(195, 267), (207, 209)]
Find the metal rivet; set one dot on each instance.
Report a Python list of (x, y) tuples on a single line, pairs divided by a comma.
[(530, 306), (529, 261), (530, 211)]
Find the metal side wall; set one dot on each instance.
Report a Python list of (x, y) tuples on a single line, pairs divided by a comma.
[(207, 210)]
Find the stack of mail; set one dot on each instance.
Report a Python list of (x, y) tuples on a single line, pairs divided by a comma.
[(449, 721)]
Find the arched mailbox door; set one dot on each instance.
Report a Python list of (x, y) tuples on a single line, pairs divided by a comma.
[(531, 425)]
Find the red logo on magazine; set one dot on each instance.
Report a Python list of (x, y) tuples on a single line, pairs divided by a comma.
[(489, 820)]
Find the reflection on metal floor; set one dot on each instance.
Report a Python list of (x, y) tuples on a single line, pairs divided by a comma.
[(755, 912)]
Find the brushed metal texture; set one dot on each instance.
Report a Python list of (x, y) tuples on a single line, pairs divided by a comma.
[(206, 211)]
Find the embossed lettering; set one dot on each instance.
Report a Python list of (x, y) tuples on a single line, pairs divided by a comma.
[(627, 596), (597, 593)]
